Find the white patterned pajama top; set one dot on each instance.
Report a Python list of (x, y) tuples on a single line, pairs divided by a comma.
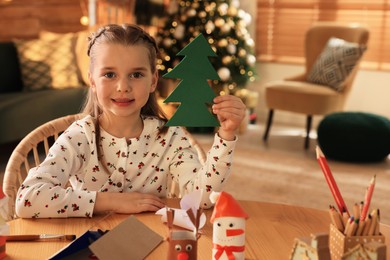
[(141, 164)]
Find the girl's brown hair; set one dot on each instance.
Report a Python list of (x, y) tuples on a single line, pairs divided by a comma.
[(127, 35)]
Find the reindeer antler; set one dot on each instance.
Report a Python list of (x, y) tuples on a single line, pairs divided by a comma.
[(195, 220), (170, 217)]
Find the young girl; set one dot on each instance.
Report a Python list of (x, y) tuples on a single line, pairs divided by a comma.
[(119, 157)]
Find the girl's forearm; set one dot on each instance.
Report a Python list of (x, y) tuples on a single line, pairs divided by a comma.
[(126, 202), (104, 202)]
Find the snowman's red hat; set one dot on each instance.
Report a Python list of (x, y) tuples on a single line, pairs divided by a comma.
[(227, 206)]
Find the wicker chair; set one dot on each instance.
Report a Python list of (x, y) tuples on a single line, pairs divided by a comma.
[(28, 153), (34, 148)]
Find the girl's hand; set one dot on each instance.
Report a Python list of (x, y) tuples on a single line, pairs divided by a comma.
[(230, 111), (127, 202)]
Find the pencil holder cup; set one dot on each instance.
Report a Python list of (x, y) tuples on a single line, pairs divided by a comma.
[(349, 247)]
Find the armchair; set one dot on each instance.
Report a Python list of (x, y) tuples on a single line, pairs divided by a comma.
[(300, 94)]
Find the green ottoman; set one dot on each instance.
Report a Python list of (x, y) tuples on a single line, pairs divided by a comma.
[(354, 137)]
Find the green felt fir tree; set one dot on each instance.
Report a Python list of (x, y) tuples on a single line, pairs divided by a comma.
[(193, 91)]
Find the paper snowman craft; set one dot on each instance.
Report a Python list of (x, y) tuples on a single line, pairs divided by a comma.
[(228, 219)]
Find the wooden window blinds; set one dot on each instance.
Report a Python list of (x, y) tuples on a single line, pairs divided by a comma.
[(281, 26)]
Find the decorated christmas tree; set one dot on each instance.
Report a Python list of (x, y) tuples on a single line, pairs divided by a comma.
[(193, 92), (223, 24)]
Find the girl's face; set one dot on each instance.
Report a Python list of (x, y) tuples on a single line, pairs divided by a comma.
[(122, 79)]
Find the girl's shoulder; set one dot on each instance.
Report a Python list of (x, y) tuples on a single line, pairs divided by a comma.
[(83, 125), (152, 123), (85, 122), (81, 131), (155, 124)]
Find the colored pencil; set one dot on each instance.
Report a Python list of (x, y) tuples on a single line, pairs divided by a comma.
[(331, 182), (374, 222), (367, 224), (350, 221), (336, 218), (367, 199), (356, 211), (41, 237), (377, 231), (352, 228), (360, 229)]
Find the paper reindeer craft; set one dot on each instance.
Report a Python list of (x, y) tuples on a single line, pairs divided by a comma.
[(189, 201), (183, 244), (228, 219)]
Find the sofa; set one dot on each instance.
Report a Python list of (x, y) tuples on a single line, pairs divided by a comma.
[(41, 79)]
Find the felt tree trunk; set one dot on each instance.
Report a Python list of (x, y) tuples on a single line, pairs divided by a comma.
[(193, 91)]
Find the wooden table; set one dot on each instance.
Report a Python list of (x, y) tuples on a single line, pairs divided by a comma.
[(270, 231)]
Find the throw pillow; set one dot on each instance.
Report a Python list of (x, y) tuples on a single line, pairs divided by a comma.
[(335, 63), (48, 63), (79, 48)]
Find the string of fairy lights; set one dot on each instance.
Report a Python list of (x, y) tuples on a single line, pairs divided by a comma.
[(224, 25)]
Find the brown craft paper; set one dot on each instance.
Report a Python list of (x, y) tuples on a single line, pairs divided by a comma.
[(339, 244), (129, 240)]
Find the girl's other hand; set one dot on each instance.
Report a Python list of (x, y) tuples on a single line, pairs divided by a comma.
[(127, 202), (230, 111)]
